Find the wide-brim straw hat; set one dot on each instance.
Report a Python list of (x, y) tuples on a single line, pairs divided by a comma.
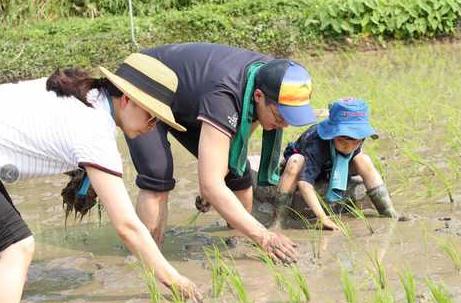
[(149, 83)]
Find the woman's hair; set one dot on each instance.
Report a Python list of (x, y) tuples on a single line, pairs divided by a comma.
[(77, 83)]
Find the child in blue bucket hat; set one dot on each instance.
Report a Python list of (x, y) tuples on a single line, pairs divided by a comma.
[(329, 152)]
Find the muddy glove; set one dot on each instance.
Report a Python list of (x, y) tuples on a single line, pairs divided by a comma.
[(380, 198), (282, 203), (202, 205)]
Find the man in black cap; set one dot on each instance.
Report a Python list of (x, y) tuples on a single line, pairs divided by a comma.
[(223, 94)]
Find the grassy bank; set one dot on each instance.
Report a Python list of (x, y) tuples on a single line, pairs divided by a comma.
[(34, 46)]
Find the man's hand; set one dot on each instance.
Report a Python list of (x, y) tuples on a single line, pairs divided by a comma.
[(185, 289), (328, 224), (279, 247)]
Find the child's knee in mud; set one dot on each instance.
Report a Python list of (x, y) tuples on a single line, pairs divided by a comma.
[(294, 165)]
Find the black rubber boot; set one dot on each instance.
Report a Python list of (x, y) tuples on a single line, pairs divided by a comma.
[(282, 203), (381, 199)]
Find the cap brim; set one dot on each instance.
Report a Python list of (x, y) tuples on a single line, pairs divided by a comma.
[(153, 106), (297, 115), (359, 131)]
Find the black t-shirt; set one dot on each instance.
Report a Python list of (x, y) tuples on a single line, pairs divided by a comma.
[(212, 80), (316, 152)]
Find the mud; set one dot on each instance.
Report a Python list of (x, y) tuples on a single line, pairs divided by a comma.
[(87, 263)]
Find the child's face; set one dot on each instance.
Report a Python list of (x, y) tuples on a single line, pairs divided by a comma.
[(346, 145)]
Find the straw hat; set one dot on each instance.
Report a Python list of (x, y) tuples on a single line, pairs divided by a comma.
[(149, 83)]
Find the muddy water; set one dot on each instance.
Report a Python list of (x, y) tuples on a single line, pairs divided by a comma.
[(87, 263)]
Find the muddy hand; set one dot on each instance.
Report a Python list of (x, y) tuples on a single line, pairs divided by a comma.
[(328, 224), (279, 247), (185, 289)]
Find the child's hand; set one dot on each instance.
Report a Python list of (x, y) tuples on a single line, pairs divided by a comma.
[(328, 224)]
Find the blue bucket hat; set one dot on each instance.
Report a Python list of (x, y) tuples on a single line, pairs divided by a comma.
[(348, 117)]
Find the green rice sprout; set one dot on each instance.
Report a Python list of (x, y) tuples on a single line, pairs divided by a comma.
[(297, 291), (224, 274), (383, 296), (359, 214), (378, 272), (343, 227), (152, 286), (301, 282), (349, 289), (219, 275), (193, 219), (449, 248), (176, 295), (316, 232), (438, 291), (407, 279)]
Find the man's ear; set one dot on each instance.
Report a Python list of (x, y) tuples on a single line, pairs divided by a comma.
[(258, 96)]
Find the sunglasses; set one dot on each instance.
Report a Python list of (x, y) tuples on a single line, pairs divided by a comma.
[(151, 122)]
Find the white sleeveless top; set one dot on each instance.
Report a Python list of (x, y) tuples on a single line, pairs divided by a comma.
[(41, 134)]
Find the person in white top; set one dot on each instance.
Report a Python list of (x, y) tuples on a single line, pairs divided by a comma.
[(72, 126)]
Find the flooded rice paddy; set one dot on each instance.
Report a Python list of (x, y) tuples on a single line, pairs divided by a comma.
[(415, 99)]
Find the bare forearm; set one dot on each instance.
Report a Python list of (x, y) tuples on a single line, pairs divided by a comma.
[(230, 208), (310, 197), (141, 244)]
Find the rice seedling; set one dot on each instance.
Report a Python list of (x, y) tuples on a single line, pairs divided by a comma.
[(301, 282), (359, 214), (297, 291), (193, 219), (224, 274), (407, 279), (236, 283), (378, 272), (176, 295), (219, 275), (349, 288), (154, 293), (438, 291), (448, 246), (315, 232), (343, 227), (435, 171), (383, 296)]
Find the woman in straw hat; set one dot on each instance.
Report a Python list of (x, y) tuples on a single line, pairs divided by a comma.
[(223, 94), (42, 135)]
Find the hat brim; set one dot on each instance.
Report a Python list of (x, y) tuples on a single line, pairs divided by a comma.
[(297, 115), (150, 104), (328, 130)]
